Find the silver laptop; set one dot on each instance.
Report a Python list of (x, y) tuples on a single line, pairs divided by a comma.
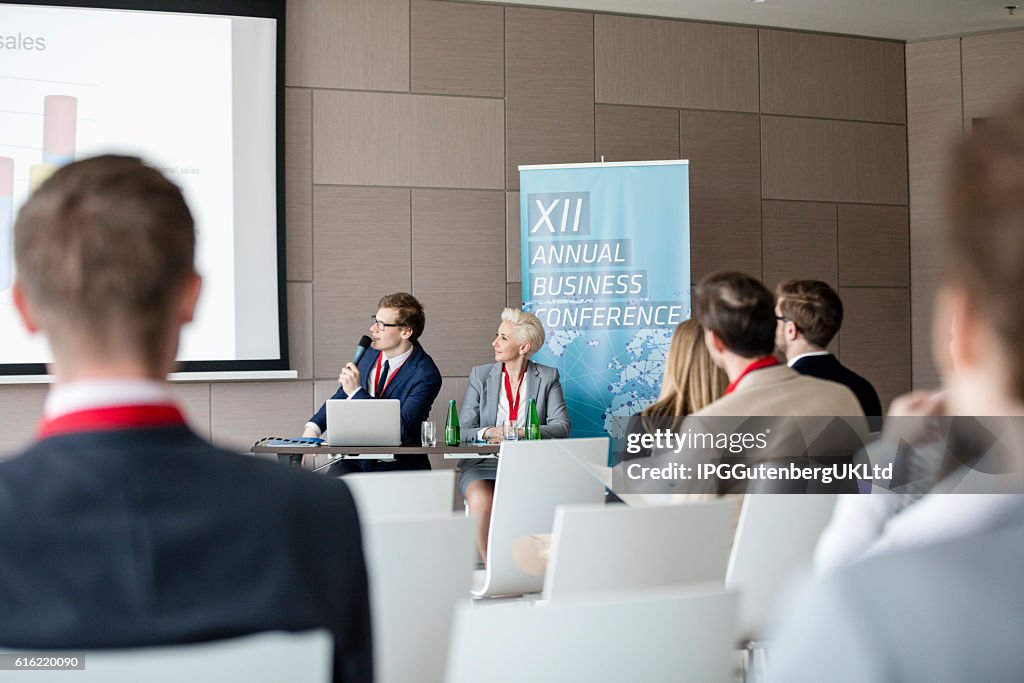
[(357, 422)]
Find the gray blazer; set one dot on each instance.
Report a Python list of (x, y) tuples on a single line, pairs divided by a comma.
[(480, 406)]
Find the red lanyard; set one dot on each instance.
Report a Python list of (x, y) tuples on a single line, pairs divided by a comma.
[(756, 365), (513, 405), (114, 417), (387, 382)]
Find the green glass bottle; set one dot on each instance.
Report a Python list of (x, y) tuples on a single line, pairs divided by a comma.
[(533, 422), (452, 432)]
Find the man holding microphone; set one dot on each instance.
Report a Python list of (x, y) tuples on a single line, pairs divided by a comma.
[(395, 367)]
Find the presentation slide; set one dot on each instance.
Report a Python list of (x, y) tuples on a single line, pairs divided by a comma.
[(193, 95)]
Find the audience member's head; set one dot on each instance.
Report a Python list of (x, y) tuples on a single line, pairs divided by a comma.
[(981, 302), (526, 327), (737, 313), (408, 310), (104, 251), (692, 380), (809, 313)]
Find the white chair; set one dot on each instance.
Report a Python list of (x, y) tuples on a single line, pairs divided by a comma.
[(534, 477), (418, 570), (772, 553), (394, 495), (682, 635), (270, 657), (774, 544), (603, 547)]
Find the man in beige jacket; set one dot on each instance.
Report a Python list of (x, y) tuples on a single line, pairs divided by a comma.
[(770, 414)]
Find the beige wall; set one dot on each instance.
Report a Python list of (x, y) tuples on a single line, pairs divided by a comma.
[(406, 120), (950, 83)]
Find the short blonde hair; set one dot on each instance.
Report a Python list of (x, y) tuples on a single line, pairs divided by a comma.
[(528, 327)]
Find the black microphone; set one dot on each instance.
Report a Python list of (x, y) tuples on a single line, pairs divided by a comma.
[(364, 344)]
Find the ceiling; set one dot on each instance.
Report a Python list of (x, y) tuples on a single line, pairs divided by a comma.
[(908, 20)]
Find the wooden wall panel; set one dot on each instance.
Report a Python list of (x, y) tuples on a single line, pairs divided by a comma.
[(417, 140), (458, 49), (725, 191), (833, 161), (359, 44), (667, 63), (799, 242), (874, 246), (300, 328), (298, 190), (363, 250), (935, 120), (22, 408), (458, 243), (194, 400), (513, 240), (636, 133), (514, 295), (808, 74), (243, 412), (876, 338), (549, 88), (993, 72)]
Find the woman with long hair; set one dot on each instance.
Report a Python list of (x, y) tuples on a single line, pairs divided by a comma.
[(691, 381)]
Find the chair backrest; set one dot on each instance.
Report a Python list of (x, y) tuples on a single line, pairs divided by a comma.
[(681, 635), (270, 657), (393, 495), (615, 547), (774, 546), (534, 477), (418, 569)]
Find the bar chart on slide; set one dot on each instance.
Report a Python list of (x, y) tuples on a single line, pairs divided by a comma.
[(87, 82), (39, 136)]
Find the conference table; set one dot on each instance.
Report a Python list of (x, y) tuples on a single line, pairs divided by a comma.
[(288, 453)]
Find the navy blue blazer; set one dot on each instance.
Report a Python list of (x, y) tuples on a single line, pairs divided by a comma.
[(416, 385), (829, 368), (152, 536)]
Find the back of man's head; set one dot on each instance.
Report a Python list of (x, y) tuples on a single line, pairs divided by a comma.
[(104, 249), (985, 239), (739, 310), (814, 307)]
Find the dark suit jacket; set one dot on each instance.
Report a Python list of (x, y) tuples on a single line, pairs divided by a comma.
[(828, 367), (416, 385), (152, 536)]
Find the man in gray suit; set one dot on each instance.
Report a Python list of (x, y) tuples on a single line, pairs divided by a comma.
[(949, 611)]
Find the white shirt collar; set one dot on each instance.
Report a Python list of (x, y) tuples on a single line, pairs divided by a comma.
[(807, 355), (103, 393), (397, 361)]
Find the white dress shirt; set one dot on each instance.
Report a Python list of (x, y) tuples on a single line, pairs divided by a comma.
[(73, 397)]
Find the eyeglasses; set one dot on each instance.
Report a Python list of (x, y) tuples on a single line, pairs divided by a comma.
[(381, 325), (782, 318)]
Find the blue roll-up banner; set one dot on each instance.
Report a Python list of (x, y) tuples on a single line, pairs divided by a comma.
[(606, 268)]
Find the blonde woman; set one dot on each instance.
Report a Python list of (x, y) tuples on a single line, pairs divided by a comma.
[(691, 381), (500, 392)]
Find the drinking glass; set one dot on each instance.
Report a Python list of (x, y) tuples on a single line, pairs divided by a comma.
[(428, 434), (509, 431)]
